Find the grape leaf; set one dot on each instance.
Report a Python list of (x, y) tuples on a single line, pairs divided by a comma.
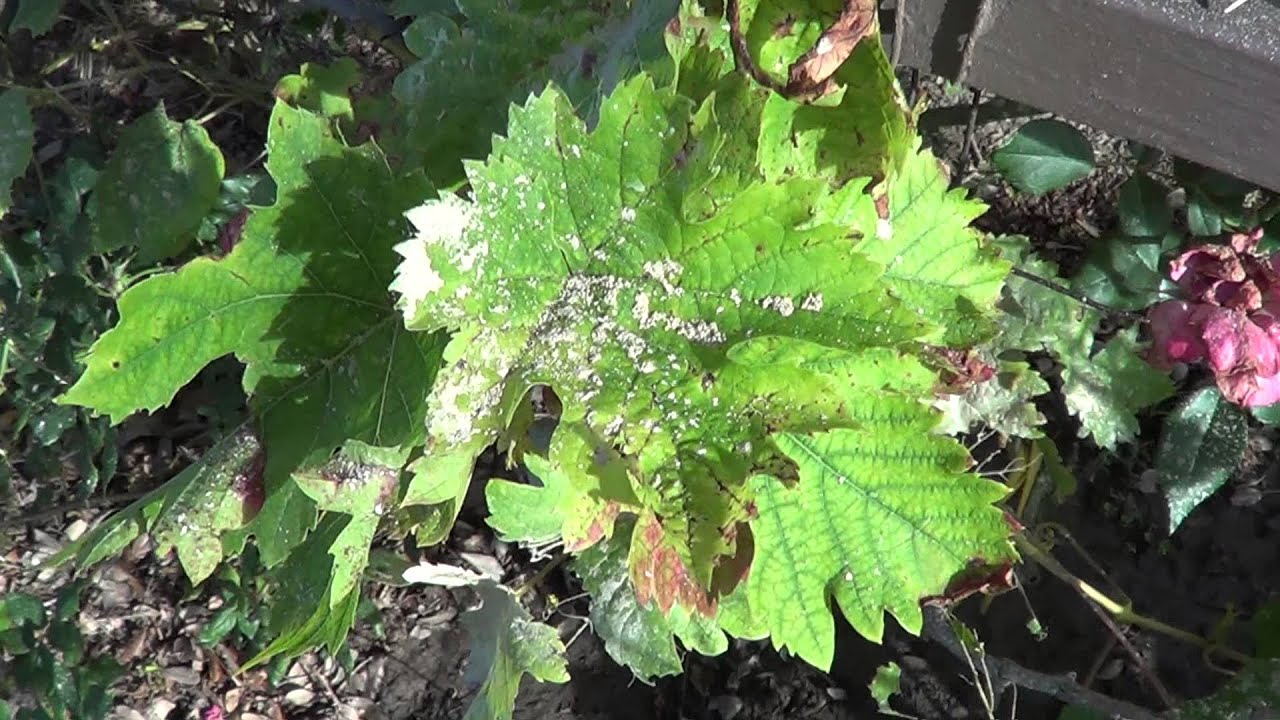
[(1004, 403), (629, 317), (1107, 390), (885, 684), (456, 96), (302, 301), (354, 484), (881, 516), (322, 89), (636, 635), (507, 644), (17, 135), (1044, 155), (1253, 693), (1202, 444), (189, 513), (159, 184)]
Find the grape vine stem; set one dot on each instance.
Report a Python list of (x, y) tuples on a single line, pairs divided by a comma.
[(1121, 611)]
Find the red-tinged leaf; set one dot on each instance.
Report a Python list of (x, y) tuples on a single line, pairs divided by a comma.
[(660, 575)]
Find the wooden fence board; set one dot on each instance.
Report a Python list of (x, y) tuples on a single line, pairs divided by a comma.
[(1170, 73)]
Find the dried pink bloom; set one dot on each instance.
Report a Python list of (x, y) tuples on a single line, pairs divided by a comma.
[(1230, 318)]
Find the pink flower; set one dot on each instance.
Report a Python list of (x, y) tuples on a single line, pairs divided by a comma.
[(1230, 319)]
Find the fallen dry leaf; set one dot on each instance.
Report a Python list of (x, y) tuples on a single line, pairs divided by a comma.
[(810, 76)]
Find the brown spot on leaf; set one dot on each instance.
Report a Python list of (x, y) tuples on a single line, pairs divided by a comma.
[(600, 527), (978, 577), (810, 76), (882, 206)]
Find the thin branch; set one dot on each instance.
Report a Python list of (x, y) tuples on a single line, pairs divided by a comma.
[(1005, 673), (87, 504), (1077, 296), (899, 31), (981, 22), (742, 54)]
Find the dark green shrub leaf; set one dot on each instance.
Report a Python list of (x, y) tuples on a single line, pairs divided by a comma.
[(19, 609), (17, 135), (1143, 209), (1202, 444), (1126, 273), (1044, 155), (159, 183)]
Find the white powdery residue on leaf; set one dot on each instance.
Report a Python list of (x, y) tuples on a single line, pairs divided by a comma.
[(666, 272), (415, 278), (440, 222), (884, 229), (628, 214), (812, 302), (784, 306), (461, 395)]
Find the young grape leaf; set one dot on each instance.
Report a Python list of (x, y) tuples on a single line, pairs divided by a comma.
[(881, 516), (304, 612), (189, 513), (354, 484), (507, 644), (629, 316), (1004, 403), (1202, 444), (885, 684), (1253, 693), (322, 89), (158, 185), (17, 135), (1044, 155), (636, 635), (302, 301), (1107, 390)]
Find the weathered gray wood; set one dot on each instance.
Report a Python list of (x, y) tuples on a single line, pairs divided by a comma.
[(1169, 73)]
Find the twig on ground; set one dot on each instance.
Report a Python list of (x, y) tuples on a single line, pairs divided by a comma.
[(1005, 673), (969, 157), (15, 521), (1143, 666)]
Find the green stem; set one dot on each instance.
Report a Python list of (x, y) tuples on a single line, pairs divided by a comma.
[(1121, 612)]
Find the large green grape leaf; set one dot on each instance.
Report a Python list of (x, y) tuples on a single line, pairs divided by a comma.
[(507, 644), (637, 635), (302, 301), (158, 185), (579, 264), (189, 513), (17, 135), (492, 52), (881, 515), (935, 262)]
